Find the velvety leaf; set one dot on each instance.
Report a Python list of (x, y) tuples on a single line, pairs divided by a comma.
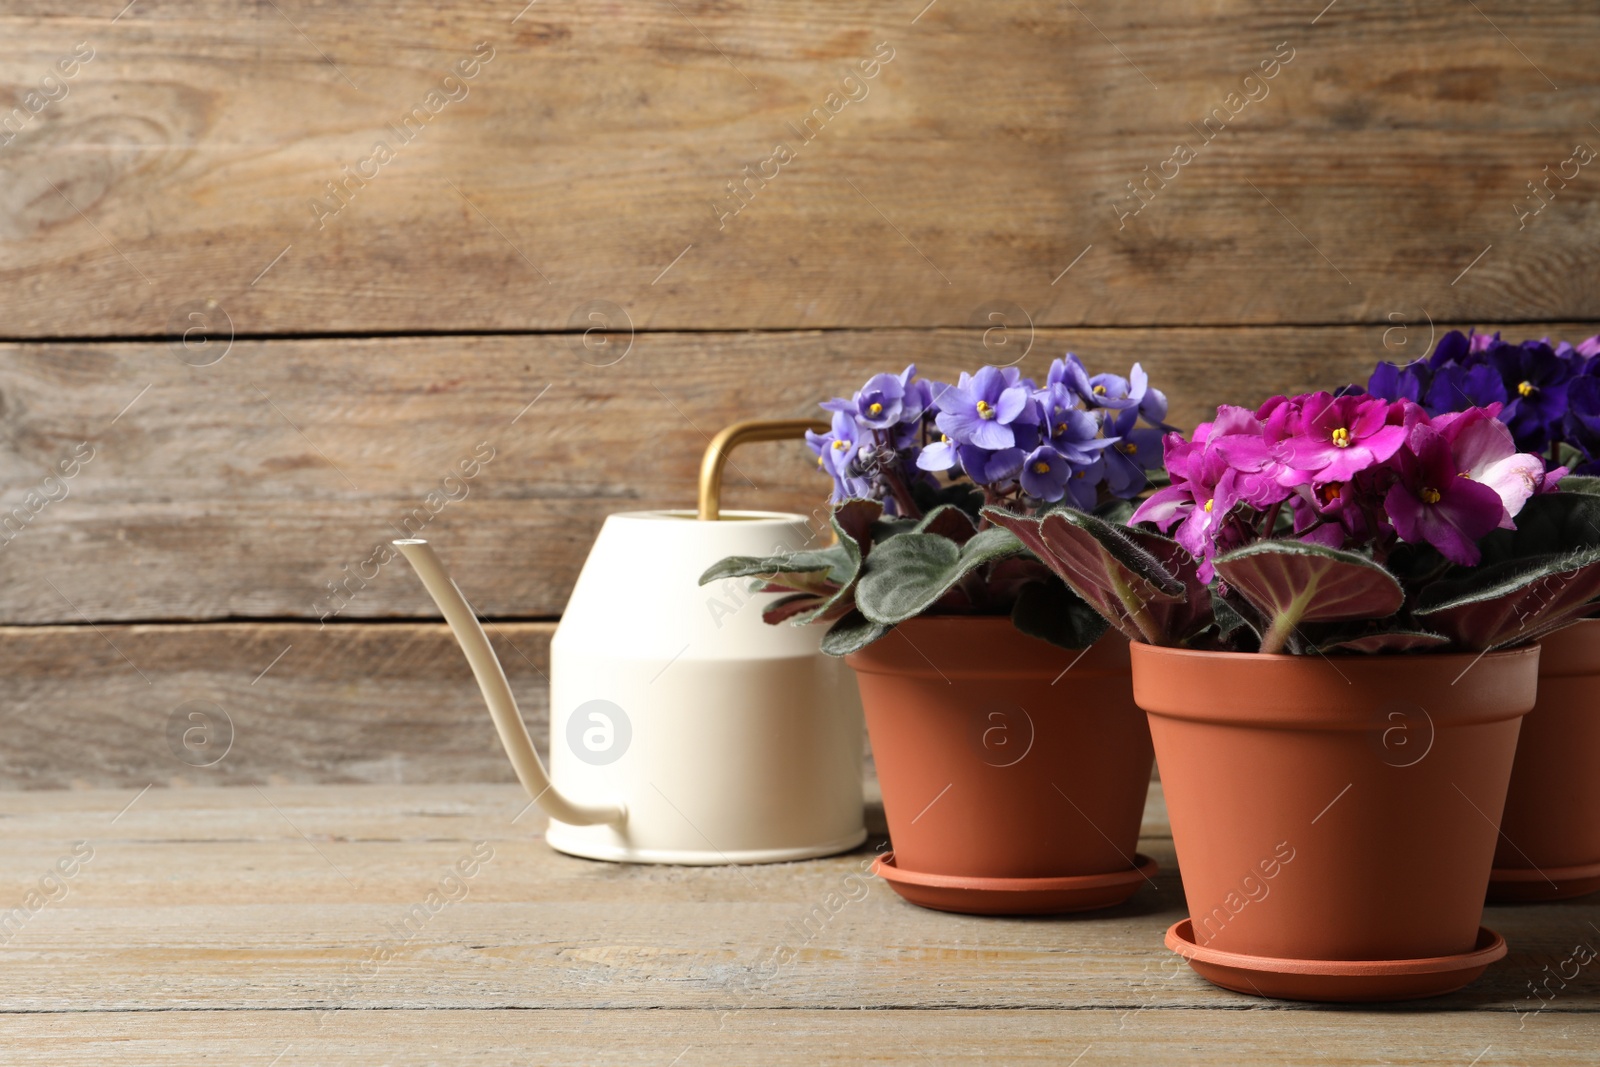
[(1225, 618), (948, 521), (1513, 602), (1052, 612), (1549, 524), (853, 632), (1293, 582), (1532, 580), (819, 571), (1102, 564), (1190, 613), (827, 575), (853, 521), (907, 575), (788, 607), (1576, 483), (1384, 641)]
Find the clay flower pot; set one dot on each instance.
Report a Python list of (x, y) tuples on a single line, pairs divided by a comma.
[(1550, 835), (1014, 772), (1335, 818)]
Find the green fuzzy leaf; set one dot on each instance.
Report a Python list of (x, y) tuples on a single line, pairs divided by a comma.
[(1052, 612), (1581, 484), (808, 571), (1294, 582), (907, 575), (1548, 524), (853, 632)]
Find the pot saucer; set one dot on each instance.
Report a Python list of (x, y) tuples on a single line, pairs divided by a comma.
[(1517, 885), (973, 895), (1336, 980)]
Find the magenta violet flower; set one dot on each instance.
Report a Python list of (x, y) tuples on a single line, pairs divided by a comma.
[(1341, 436), (1432, 503)]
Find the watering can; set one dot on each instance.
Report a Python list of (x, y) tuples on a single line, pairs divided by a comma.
[(683, 728)]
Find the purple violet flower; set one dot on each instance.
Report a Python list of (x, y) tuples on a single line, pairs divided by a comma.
[(1431, 503), (980, 409)]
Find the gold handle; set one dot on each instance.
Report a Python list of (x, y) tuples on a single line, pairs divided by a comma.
[(741, 433)]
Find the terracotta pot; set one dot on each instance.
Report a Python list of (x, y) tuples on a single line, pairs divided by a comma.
[(1335, 809), (1006, 758), (1550, 835)]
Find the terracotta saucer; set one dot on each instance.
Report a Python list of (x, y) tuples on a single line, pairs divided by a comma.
[(1014, 896), (1515, 885), (1336, 980)]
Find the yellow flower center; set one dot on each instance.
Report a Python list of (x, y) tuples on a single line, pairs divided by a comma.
[(944, 439), (1129, 447), (1526, 388), (1099, 390), (1041, 467), (985, 411), (1341, 437), (1213, 500), (1430, 496), (1080, 474), (875, 409), (819, 461), (1061, 428), (840, 446)]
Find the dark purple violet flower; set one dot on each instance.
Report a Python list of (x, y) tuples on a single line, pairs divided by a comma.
[(1536, 390), (1455, 387), (1390, 382), (1453, 347)]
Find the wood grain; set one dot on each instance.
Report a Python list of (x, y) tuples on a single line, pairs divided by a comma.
[(803, 1038), (265, 902), (586, 156), (113, 705), (244, 488)]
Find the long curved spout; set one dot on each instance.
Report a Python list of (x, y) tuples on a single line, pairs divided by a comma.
[(497, 694)]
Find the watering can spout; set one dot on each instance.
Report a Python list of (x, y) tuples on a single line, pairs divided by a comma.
[(497, 694)]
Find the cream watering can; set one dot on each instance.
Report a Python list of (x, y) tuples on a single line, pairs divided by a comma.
[(683, 729)]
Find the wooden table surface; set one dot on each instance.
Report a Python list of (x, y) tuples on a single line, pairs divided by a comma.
[(289, 925)]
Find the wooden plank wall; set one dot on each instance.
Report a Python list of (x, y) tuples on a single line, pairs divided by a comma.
[(646, 219)]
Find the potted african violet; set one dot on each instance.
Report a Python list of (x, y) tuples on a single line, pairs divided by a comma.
[(1335, 650), (1549, 397), (1013, 761)]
